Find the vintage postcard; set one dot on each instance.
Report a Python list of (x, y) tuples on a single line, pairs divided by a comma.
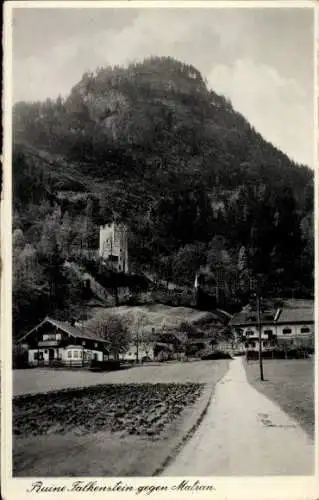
[(158, 305)]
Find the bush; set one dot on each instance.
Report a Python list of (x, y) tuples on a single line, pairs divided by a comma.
[(20, 360), (109, 365), (216, 355)]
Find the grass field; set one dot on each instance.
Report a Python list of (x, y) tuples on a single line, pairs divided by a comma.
[(290, 383), (36, 380), (154, 315), (127, 426)]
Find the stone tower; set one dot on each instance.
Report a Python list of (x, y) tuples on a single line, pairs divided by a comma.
[(114, 246)]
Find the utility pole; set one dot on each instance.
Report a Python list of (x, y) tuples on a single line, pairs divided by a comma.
[(259, 334), (137, 344)]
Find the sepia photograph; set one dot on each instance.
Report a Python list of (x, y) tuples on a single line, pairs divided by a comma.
[(163, 242)]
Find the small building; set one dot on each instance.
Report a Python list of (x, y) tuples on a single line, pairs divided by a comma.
[(113, 248), (142, 352), (291, 322), (54, 342)]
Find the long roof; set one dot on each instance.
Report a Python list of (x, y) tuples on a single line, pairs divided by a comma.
[(66, 327), (291, 311), (291, 315)]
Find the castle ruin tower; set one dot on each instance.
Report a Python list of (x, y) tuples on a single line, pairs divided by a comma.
[(113, 247)]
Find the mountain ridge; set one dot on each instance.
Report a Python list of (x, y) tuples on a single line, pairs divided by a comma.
[(152, 146)]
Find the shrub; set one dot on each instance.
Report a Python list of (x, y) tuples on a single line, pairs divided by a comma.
[(20, 360), (109, 365), (216, 355)]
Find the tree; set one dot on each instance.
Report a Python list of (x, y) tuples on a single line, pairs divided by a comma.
[(189, 329), (113, 330), (66, 235), (141, 336), (50, 234), (30, 291), (243, 271), (242, 259), (287, 242), (187, 262), (89, 226), (18, 240)]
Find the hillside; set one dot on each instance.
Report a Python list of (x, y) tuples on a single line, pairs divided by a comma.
[(160, 317), (151, 145)]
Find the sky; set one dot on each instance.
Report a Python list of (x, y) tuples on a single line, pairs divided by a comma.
[(260, 58)]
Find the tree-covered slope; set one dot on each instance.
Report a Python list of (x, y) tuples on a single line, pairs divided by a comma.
[(196, 184)]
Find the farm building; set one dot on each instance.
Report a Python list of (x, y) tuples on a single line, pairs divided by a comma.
[(290, 322), (57, 342)]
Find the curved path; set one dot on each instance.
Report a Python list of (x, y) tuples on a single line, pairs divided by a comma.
[(244, 433)]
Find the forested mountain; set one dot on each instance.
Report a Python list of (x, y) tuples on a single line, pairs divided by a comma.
[(152, 146)]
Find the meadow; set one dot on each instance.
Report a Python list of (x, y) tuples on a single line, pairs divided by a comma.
[(289, 383)]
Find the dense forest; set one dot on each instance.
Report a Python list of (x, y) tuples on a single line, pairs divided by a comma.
[(152, 146)]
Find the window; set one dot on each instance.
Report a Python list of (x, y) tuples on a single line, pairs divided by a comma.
[(35, 356), (249, 333), (113, 258), (81, 354), (75, 354), (52, 336), (265, 344), (268, 332), (252, 344), (69, 354), (305, 330), (286, 331)]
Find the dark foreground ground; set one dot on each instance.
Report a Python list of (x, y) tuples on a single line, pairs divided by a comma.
[(290, 383), (113, 429)]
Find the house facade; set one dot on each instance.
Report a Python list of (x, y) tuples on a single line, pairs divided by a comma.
[(113, 246), (291, 323), (294, 323), (54, 342)]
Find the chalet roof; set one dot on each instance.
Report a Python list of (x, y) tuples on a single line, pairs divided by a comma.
[(65, 327)]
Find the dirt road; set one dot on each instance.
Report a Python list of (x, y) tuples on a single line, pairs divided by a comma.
[(244, 433)]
